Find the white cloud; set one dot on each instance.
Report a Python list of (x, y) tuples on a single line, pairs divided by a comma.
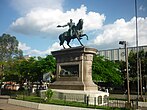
[(34, 52), (23, 46), (41, 18), (111, 35), (122, 30), (43, 21)]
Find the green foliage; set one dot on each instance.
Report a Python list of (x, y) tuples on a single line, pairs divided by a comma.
[(31, 69), (9, 47), (8, 53), (10, 71), (105, 71), (132, 64), (132, 59), (49, 94), (29, 98), (132, 67)]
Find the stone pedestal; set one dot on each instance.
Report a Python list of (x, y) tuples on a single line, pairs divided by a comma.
[(74, 69)]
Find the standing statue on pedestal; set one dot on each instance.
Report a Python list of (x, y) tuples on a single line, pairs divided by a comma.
[(74, 31)]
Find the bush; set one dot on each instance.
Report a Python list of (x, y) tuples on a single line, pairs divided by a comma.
[(48, 94), (37, 92)]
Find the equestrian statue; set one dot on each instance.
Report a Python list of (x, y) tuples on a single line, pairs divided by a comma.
[(74, 31)]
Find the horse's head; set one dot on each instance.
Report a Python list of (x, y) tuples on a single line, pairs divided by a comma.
[(80, 24), (81, 21)]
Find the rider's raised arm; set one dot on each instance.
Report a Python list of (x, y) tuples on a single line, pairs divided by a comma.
[(63, 25)]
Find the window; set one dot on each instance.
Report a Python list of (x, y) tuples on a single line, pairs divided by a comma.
[(99, 100), (105, 99)]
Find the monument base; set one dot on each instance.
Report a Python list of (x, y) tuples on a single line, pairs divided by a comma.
[(74, 69), (73, 85), (92, 97)]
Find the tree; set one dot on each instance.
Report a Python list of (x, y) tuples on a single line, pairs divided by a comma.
[(105, 71), (32, 69), (45, 65), (132, 64), (10, 71), (133, 67), (9, 47), (8, 51)]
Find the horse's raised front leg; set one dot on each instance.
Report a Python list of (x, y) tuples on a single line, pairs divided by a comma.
[(79, 41), (85, 35)]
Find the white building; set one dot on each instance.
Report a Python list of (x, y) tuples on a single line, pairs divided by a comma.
[(119, 54)]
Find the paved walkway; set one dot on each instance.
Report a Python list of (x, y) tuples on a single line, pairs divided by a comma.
[(5, 106)]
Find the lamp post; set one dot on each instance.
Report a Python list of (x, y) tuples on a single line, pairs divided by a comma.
[(126, 58), (137, 51)]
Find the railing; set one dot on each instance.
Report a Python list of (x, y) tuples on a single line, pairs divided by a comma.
[(93, 102)]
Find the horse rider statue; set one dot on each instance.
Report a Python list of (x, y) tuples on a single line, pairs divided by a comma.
[(71, 29), (74, 31)]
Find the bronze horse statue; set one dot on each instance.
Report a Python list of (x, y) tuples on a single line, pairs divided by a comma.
[(77, 33)]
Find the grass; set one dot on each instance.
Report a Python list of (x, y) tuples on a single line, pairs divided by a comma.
[(64, 103), (30, 98)]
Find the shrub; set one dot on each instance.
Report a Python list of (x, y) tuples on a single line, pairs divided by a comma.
[(48, 94)]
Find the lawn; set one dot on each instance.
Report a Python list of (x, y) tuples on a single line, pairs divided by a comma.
[(64, 102)]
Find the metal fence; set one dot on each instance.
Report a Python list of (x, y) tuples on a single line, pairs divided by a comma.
[(93, 102)]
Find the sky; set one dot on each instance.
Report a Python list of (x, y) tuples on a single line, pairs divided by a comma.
[(106, 22)]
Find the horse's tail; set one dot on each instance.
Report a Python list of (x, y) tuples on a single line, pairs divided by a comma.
[(61, 39)]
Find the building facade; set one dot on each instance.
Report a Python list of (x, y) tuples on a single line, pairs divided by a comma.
[(119, 54)]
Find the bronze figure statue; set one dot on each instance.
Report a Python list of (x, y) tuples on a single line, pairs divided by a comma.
[(74, 31)]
